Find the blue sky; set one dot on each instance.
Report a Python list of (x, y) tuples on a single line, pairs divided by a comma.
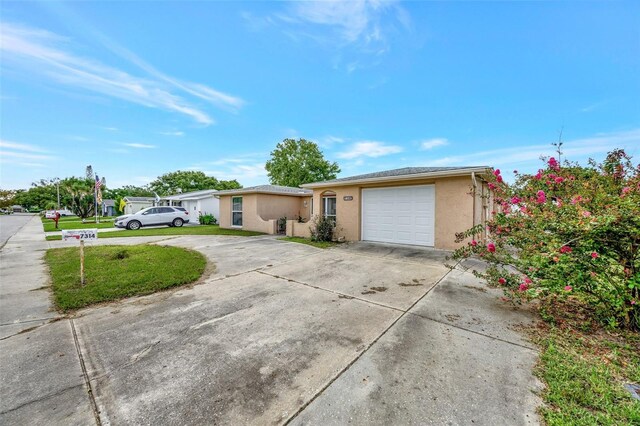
[(137, 89)]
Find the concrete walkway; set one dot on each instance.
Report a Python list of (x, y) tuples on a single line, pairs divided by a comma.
[(280, 333)]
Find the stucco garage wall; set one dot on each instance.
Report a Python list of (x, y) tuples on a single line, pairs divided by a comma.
[(454, 207), (225, 211), (454, 210)]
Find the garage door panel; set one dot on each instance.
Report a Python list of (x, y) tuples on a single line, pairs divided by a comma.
[(404, 215)]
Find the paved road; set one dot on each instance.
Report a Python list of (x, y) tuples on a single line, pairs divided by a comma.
[(10, 224)]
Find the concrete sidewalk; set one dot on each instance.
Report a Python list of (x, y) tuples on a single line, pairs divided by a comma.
[(24, 296), (41, 378)]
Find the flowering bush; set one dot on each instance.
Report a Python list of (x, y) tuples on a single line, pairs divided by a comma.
[(567, 230)]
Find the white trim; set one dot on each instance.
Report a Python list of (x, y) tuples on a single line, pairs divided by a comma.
[(237, 211)]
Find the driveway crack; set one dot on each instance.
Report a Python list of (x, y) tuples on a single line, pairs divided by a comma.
[(87, 382), (353, 361)]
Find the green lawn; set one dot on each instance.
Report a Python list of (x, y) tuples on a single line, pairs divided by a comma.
[(76, 218), (585, 373), (115, 272), (186, 230), (319, 244), (89, 224)]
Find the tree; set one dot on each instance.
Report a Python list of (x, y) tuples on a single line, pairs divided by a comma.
[(7, 198), (567, 232), (80, 193), (294, 163), (40, 196), (187, 181)]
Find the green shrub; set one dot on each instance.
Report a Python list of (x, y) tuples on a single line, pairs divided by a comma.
[(207, 219), (567, 231), (322, 229)]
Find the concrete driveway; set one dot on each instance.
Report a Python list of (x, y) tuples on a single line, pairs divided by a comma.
[(283, 333)]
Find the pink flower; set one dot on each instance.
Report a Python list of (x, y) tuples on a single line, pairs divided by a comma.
[(496, 172), (499, 179), (594, 255), (565, 249), (586, 213), (515, 200), (553, 163), (576, 199), (568, 288), (523, 287), (527, 280), (492, 186), (538, 175), (473, 243), (559, 179), (502, 281), (633, 302), (542, 197), (491, 247), (625, 190)]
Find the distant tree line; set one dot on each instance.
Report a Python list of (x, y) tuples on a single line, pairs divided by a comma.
[(77, 193)]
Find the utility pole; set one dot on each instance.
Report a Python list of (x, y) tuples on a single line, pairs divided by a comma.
[(58, 191)]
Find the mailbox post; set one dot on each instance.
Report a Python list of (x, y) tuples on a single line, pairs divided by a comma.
[(81, 235)]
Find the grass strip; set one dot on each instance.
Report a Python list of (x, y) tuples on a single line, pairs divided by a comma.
[(186, 230), (307, 241), (116, 272)]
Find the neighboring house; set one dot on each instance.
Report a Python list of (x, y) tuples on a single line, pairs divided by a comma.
[(258, 208), (135, 204), (423, 206), (18, 209), (196, 203), (108, 207)]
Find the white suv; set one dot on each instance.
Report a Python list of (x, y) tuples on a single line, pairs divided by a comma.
[(153, 216)]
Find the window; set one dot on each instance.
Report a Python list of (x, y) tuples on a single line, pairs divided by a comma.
[(236, 211), (165, 210), (329, 207)]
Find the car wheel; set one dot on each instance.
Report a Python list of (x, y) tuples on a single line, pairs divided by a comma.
[(178, 222), (133, 225)]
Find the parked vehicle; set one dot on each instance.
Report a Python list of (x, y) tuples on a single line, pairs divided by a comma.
[(153, 216), (50, 214)]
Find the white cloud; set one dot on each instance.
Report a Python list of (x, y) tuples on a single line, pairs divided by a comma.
[(359, 31), (24, 155), (35, 50), (369, 149), (20, 146), (573, 150), (139, 145), (433, 143), (177, 133)]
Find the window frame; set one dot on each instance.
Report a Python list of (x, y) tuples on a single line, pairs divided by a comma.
[(325, 200), (237, 211)]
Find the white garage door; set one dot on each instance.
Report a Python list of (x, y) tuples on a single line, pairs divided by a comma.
[(403, 215)]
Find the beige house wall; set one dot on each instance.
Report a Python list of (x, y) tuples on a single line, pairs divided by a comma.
[(260, 212), (454, 207)]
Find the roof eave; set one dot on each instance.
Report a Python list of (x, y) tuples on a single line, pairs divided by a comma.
[(293, 194), (444, 173)]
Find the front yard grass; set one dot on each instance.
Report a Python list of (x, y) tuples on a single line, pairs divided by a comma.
[(116, 272), (319, 244), (585, 369), (77, 224), (185, 230)]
